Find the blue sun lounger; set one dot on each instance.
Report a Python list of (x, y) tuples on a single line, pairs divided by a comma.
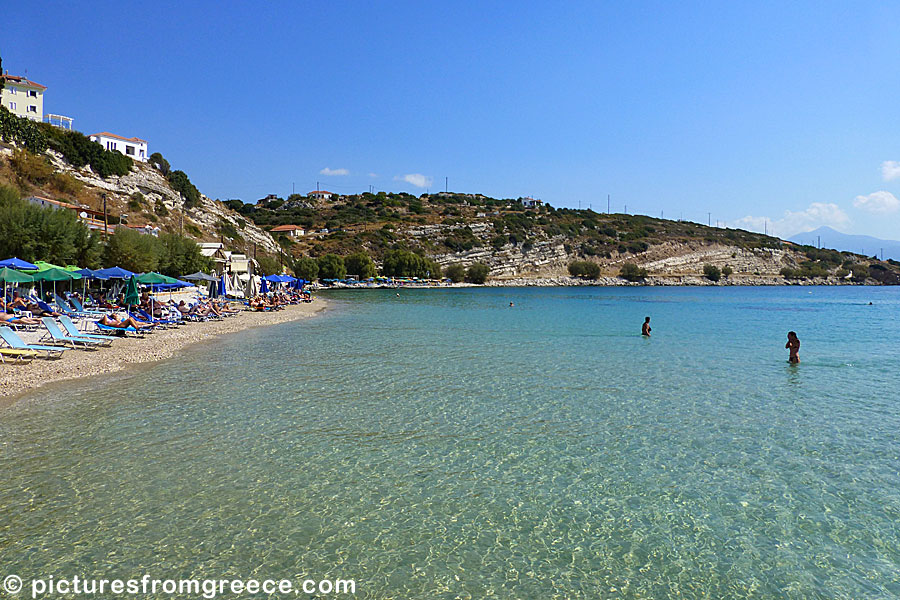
[(15, 342), (56, 335), (80, 307), (124, 331), (72, 329)]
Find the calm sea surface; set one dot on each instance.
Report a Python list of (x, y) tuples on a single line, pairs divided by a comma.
[(442, 444)]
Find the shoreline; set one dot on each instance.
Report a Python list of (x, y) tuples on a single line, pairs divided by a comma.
[(18, 380)]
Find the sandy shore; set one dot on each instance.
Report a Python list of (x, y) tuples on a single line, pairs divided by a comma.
[(18, 379)]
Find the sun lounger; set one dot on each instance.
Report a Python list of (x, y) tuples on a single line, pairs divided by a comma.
[(16, 356), (123, 331), (57, 336), (70, 327), (80, 307), (15, 342)]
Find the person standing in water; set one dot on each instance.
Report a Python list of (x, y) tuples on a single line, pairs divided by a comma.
[(793, 344), (645, 328)]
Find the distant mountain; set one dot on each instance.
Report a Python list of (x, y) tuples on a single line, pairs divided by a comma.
[(861, 244)]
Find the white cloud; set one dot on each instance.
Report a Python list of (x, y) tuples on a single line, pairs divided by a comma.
[(877, 202), (890, 170), (815, 215), (373, 174), (416, 179), (327, 171)]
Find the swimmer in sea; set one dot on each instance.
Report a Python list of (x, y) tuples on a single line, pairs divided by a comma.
[(793, 344), (511, 304), (645, 328)]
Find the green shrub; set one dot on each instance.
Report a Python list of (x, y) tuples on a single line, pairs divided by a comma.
[(477, 273), (456, 273), (727, 271), (712, 272), (31, 168), (160, 209), (181, 183), (136, 201), (584, 269), (22, 131), (632, 272), (160, 164)]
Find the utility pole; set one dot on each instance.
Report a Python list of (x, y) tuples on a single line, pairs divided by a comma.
[(293, 190), (317, 186), (626, 209), (105, 217), (607, 204), (709, 219), (181, 228), (446, 184), (819, 241), (767, 227)]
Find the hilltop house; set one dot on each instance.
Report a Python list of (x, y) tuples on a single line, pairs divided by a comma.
[(134, 147), (530, 202), (294, 231), (320, 195), (23, 98)]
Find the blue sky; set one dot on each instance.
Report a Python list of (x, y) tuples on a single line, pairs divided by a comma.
[(785, 112)]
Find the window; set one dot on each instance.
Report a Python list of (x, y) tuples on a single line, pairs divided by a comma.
[(129, 150), (12, 106), (110, 145), (32, 108), (32, 94), (12, 91)]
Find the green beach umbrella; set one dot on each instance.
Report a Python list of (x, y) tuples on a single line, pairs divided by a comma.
[(131, 294), (54, 274), (154, 278), (8, 275), (44, 265)]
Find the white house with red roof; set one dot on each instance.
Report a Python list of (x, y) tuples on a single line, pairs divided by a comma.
[(23, 97), (133, 147), (293, 231), (321, 195)]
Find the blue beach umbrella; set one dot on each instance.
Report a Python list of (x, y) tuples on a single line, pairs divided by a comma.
[(222, 285), (18, 264), (116, 273)]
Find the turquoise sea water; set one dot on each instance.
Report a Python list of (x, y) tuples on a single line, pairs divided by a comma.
[(445, 445)]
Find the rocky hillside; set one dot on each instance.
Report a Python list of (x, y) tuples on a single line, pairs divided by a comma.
[(521, 243), (141, 197)]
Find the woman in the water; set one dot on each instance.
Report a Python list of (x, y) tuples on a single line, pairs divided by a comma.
[(793, 344)]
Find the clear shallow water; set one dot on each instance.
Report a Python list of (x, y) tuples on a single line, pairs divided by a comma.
[(444, 445)]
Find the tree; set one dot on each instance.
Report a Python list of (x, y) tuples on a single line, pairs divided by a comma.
[(632, 272), (134, 251), (712, 272), (584, 269), (34, 232), (727, 271), (306, 268), (161, 164), (331, 266), (360, 265), (268, 265), (456, 273), (477, 273), (180, 255)]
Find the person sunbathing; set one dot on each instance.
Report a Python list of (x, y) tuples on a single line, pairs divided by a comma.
[(113, 320), (6, 317)]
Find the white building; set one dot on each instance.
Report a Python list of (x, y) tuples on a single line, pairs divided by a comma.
[(22, 97), (294, 231), (135, 148), (321, 195), (530, 202)]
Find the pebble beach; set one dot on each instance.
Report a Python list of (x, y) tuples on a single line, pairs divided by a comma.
[(159, 345)]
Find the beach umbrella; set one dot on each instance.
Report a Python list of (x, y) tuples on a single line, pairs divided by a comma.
[(54, 274), (199, 276), (8, 275), (222, 285), (152, 278), (115, 273), (131, 293), (251, 290), (18, 263)]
